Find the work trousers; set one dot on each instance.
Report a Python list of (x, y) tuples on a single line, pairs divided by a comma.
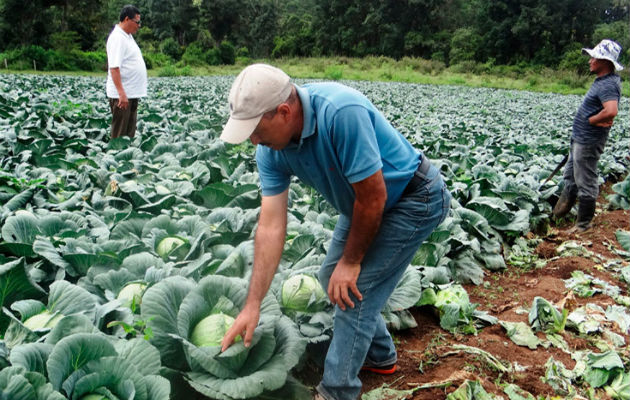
[(124, 120), (360, 334), (581, 178)]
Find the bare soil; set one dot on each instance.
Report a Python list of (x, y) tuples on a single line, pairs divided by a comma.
[(426, 353)]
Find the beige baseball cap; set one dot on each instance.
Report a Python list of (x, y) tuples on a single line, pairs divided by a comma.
[(259, 88)]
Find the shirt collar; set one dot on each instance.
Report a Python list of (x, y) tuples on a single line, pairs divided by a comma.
[(309, 125), (605, 76), (122, 31)]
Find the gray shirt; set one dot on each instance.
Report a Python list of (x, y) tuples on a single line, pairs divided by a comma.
[(605, 88)]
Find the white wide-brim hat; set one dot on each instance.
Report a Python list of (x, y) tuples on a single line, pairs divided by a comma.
[(606, 50)]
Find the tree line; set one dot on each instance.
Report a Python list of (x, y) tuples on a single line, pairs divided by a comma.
[(192, 32)]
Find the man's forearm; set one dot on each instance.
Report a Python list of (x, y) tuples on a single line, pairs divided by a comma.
[(601, 117), (268, 246), (115, 72), (369, 203), (366, 220), (370, 198)]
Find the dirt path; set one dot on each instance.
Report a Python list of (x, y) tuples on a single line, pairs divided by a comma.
[(426, 352)]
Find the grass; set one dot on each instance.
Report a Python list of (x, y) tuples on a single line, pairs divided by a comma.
[(404, 70)]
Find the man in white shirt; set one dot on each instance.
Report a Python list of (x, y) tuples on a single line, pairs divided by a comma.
[(126, 73)]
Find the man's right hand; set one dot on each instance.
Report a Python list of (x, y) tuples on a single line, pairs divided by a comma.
[(244, 325), (268, 245), (123, 102)]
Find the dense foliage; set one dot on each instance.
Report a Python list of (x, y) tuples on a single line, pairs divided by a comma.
[(55, 34)]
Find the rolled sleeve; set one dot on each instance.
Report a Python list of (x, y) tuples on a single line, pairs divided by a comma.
[(273, 180)]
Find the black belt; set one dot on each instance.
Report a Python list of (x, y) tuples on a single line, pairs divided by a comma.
[(416, 180)]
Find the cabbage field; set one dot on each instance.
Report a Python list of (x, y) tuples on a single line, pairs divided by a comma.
[(123, 262)]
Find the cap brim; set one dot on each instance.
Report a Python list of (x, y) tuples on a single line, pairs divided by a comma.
[(238, 130)]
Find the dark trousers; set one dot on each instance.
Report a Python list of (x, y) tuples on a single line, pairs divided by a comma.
[(581, 175), (123, 120)]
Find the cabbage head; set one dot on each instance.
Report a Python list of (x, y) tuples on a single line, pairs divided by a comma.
[(211, 330), (131, 294), (456, 311), (304, 301), (454, 295), (169, 245), (303, 293), (18, 382), (189, 320), (43, 320), (37, 319), (94, 397), (93, 366)]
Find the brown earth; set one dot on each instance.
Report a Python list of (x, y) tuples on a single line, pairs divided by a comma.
[(426, 354)]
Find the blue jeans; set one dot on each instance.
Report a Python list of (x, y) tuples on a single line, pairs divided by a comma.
[(580, 174), (360, 334)]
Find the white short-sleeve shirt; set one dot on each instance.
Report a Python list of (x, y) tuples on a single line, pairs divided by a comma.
[(123, 52)]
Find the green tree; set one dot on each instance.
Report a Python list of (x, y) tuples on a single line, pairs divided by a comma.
[(219, 16), (171, 19), (388, 27), (66, 42), (171, 48), (617, 31), (257, 26), (505, 31), (464, 45), (24, 22), (296, 38), (536, 29), (85, 17)]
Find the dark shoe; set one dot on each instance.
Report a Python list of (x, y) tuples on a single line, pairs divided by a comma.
[(564, 205), (586, 212), (384, 370)]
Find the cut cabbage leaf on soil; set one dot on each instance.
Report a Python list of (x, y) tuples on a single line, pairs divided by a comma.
[(544, 316), (521, 334), (456, 312), (471, 390), (624, 239)]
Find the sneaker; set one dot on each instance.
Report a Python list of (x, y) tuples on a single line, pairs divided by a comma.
[(384, 370)]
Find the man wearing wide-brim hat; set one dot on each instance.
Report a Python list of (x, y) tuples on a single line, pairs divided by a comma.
[(591, 125)]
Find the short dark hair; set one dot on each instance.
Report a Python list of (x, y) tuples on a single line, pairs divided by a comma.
[(128, 11)]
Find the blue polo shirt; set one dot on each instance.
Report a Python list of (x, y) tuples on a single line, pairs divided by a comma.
[(345, 139), (605, 88)]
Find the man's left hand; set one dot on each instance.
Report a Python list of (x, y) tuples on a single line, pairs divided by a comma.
[(344, 279)]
